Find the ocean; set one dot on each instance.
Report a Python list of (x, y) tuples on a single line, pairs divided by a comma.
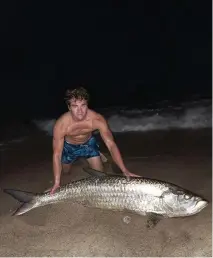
[(163, 115), (185, 115)]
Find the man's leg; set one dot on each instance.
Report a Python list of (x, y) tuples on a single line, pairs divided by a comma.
[(96, 163)]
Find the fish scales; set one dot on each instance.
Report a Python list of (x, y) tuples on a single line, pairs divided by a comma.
[(113, 193)]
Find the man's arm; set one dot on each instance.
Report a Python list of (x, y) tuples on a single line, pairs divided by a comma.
[(58, 143), (108, 139)]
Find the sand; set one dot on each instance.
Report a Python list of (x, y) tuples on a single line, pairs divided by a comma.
[(180, 157)]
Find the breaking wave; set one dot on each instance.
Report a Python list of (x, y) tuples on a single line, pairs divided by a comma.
[(194, 115)]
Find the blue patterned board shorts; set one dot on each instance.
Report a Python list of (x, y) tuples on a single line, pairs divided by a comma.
[(87, 150)]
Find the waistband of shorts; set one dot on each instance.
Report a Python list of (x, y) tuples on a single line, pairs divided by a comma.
[(79, 145)]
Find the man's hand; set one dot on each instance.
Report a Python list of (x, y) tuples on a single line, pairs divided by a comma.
[(129, 174), (55, 187)]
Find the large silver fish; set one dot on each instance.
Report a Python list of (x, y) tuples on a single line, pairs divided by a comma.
[(139, 195)]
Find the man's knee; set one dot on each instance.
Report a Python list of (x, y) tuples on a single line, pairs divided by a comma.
[(96, 163), (66, 168)]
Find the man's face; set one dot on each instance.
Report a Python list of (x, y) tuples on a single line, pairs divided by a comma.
[(78, 109)]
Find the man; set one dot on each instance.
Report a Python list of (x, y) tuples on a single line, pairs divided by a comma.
[(72, 137)]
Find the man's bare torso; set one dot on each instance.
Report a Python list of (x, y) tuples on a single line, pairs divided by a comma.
[(78, 132)]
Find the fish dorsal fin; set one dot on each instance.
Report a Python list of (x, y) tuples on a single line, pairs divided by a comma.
[(94, 172)]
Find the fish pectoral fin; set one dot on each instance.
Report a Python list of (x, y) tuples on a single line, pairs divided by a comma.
[(153, 219), (94, 172)]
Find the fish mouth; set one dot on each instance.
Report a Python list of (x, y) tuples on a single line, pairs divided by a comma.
[(201, 205)]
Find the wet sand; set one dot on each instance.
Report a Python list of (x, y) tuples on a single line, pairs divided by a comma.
[(180, 157)]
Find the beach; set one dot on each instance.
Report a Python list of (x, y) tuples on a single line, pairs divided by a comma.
[(183, 157)]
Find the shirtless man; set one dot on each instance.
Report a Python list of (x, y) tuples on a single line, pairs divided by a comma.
[(72, 137)]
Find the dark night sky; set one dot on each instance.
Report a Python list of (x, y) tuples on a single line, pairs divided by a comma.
[(124, 52)]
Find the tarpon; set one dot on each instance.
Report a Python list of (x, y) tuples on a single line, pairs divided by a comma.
[(143, 196)]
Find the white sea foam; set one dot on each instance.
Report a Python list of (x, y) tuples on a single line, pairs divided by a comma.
[(127, 120), (191, 119), (45, 125)]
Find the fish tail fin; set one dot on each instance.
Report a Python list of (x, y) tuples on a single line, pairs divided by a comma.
[(25, 207), (21, 196), (26, 198)]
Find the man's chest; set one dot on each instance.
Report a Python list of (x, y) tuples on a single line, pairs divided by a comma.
[(79, 129)]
